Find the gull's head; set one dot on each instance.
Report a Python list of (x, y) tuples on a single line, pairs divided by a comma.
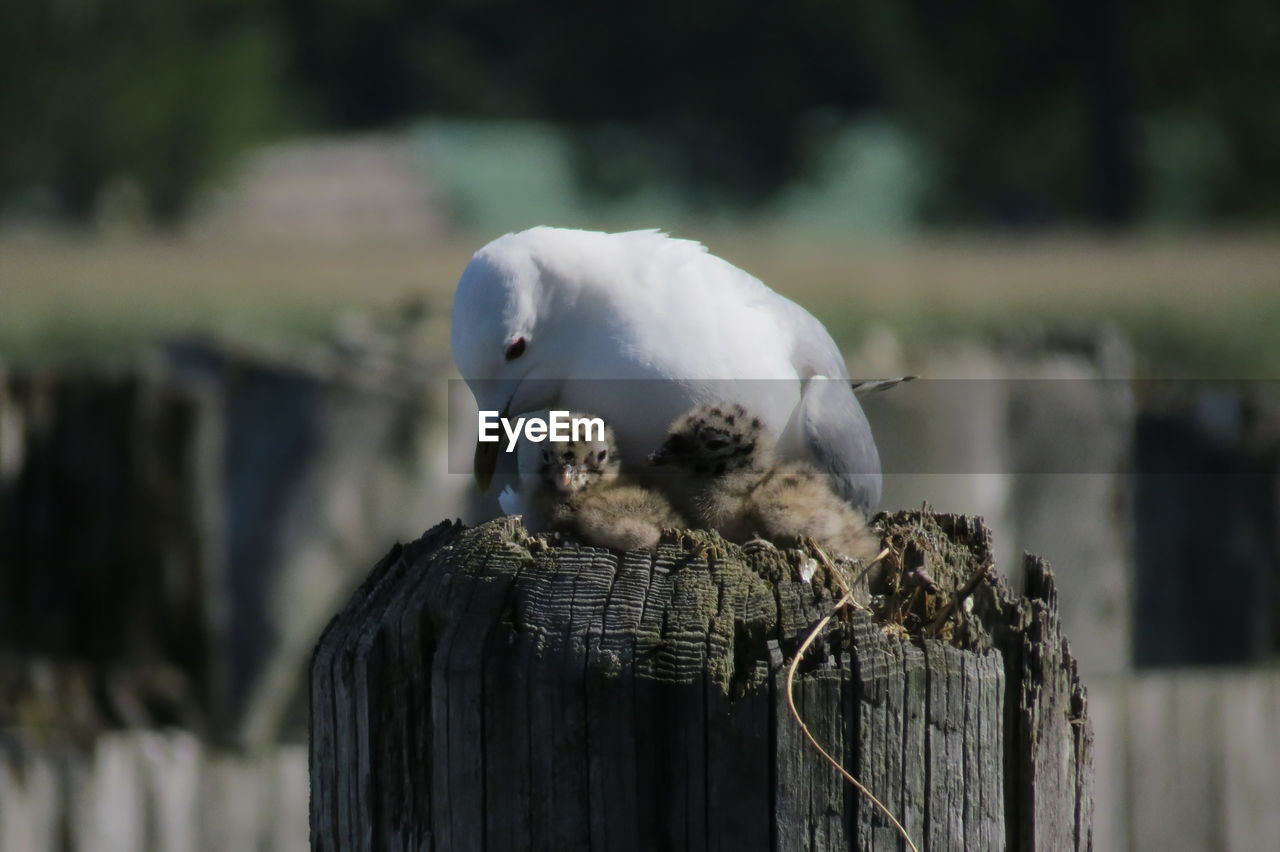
[(511, 337), (500, 330), (565, 468), (712, 440)]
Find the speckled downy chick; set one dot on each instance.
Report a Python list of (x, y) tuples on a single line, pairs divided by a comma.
[(725, 477), (574, 487)]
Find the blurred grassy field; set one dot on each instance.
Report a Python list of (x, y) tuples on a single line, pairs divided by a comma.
[(1196, 307)]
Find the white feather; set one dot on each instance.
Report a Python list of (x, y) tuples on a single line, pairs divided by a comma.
[(509, 500)]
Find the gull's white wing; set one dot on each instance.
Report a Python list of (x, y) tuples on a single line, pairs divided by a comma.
[(775, 342), (838, 437), (830, 421)]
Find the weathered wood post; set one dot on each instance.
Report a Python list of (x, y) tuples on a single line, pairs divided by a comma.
[(482, 691)]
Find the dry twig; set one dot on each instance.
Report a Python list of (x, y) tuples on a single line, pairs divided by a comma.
[(961, 594), (791, 702)]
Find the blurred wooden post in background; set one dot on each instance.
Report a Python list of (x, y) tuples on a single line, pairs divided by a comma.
[(173, 538), (190, 526), (482, 691)]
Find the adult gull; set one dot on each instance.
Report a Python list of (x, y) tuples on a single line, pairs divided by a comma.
[(637, 328)]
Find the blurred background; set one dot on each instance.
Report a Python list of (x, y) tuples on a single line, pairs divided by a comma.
[(229, 236)]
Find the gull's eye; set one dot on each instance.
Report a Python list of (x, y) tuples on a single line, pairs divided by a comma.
[(516, 349), (602, 455)]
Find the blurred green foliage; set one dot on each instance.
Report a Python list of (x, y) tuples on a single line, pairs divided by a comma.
[(1027, 113), (501, 176), (162, 93)]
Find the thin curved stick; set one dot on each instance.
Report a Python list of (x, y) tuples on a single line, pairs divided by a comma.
[(791, 703), (839, 575)]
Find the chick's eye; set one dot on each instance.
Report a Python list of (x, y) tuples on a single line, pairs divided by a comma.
[(516, 349), (602, 455)]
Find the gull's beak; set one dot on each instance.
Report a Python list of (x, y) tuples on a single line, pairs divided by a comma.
[(486, 458), (566, 477)]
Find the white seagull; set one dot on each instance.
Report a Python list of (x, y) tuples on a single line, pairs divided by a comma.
[(638, 328)]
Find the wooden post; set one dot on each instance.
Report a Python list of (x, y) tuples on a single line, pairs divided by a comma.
[(482, 691), (158, 528)]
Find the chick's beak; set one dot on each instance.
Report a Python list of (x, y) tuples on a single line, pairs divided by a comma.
[(566, 477), (659, 456)]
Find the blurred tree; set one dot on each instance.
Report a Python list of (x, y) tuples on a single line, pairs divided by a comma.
[(714, 97), (163, 93), (1024, 105), (1099, 110), (1029, 112), (1206, 85), (1033, 112)]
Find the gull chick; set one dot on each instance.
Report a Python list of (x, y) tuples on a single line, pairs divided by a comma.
[(574, 487), (727, 479)]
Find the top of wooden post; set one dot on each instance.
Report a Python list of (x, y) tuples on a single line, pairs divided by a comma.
[(463, 671)]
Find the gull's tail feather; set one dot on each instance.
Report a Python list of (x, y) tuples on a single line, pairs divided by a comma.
[(863, 387)]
